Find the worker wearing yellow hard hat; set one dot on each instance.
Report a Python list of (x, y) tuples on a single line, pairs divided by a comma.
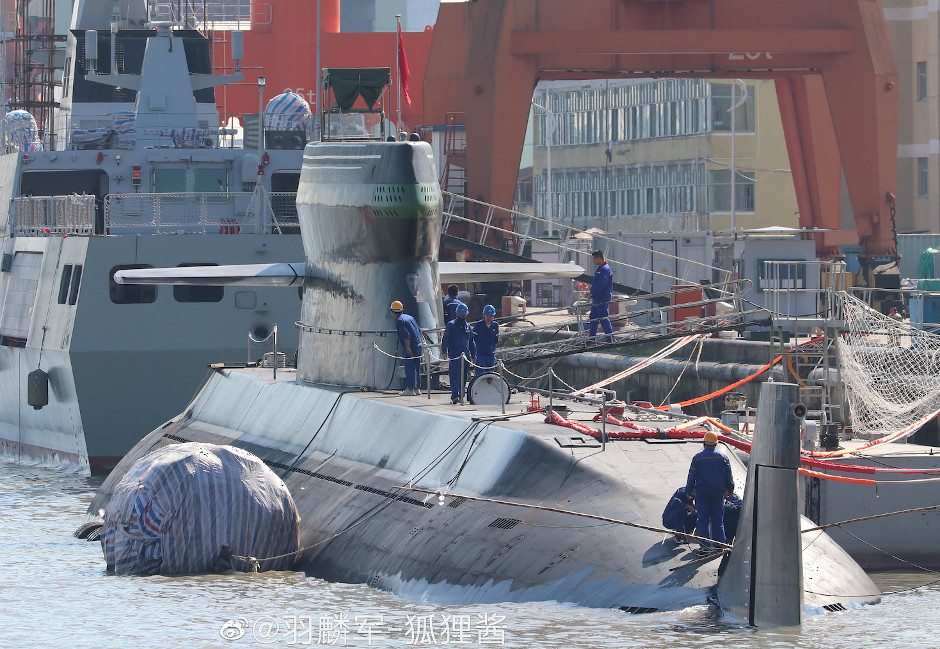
[(711, 481), (409, 335)]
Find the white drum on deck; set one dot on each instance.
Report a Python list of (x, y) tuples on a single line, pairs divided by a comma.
[(488, 389)]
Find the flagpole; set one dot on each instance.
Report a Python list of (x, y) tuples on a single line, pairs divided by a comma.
[(398, 71)]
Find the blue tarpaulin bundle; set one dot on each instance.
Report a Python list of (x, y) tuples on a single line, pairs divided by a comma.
[(195, 508)]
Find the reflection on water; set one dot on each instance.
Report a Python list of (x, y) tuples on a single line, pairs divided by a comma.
[(54, 592)]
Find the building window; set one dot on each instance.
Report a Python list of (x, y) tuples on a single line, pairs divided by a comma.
[(720, 191), (922, 177), (921, 80), (721, 103), (187, 293), (131, 293)]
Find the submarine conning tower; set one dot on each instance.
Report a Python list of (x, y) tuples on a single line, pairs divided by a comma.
[(370, 218)]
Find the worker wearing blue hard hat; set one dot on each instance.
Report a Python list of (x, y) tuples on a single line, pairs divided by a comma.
[(451, 303), (485, 334), (458, 344)]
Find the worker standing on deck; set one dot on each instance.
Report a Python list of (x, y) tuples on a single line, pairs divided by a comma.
[(485, 333), (602, 290), (711, 482), (459, 345), (451, 303), (409, 335)]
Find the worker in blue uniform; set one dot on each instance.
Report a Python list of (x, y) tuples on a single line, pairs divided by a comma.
[(711, 482), (679, 514), (485, 334), (451, 303), (458, 344), (409, 335), (602, 290)]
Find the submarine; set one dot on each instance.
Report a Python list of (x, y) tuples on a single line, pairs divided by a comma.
[(434, 501)]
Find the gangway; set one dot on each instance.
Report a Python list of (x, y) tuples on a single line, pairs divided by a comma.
[(567, 332), (722, 286)]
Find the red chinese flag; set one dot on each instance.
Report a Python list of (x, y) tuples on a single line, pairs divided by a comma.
[(403, 73)]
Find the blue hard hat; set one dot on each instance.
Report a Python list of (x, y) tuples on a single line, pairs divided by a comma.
[(489, 309), (462, 309)]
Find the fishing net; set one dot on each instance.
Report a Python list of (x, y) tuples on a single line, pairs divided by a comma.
[(890, 372)]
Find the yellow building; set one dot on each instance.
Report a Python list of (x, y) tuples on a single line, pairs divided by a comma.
[(656, 155)]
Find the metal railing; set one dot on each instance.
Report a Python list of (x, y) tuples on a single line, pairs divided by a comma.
[(40, 215), (205, 212)]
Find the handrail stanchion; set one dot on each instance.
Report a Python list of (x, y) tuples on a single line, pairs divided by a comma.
[(502, 402), (551, 374), (463, 368)]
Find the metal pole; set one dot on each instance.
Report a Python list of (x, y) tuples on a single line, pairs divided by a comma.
[(319, 72), (551, 373), (463, 368), (734, 171), (549, 127), (274, 333), (258, 186), (502, 402), (398, 71)]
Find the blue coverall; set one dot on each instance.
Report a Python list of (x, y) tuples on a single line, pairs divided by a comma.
[(450, 308), (485, 338), (458, 339), (602, 290), (408, 329), (710, 478), (676, 516)]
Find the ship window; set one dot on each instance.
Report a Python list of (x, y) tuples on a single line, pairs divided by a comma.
[(20, 298), (169, 181), (76, 282), (64, 283), (210, 180), (131, 293), (187, 293)]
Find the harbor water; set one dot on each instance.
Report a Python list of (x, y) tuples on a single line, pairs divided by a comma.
[(54, 592)]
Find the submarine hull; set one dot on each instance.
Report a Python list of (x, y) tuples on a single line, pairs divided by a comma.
[(359, 466)]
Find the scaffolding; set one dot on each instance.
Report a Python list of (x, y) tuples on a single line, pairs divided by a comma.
[(35, 45)]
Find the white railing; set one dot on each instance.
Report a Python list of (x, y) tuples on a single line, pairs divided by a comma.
[(204, 212), (41, 215)]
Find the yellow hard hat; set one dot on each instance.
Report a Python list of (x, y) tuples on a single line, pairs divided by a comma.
[(397, 306), (710, 438)]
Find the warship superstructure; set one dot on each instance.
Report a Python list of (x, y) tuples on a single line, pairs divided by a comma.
[(428, 499), (145, 177)]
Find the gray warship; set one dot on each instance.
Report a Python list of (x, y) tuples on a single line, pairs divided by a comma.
[(144, 177), (433, 501)]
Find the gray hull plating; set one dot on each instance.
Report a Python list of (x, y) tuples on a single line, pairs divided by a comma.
[(349, 459), (116, 371)]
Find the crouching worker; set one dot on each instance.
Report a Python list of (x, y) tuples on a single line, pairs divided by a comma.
[(679, 515)]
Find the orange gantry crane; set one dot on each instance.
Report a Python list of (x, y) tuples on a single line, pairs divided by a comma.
[(832, 62)]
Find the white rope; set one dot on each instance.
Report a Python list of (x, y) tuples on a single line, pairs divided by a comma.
[(665, 351)]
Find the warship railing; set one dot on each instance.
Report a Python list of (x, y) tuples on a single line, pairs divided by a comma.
[(202, 212), (42, 215)]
